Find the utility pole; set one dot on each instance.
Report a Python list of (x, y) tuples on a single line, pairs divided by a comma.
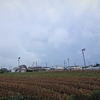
[(18, 61), (89, 63), (33, 64), (46, 64), (68, 62), (64, 63), (84, 57), (36, 63), (75, 64), (9, 68)]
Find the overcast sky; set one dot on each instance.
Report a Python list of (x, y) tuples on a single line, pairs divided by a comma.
[(49, 31)]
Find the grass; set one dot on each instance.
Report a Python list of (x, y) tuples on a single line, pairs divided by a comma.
[(93, 73)]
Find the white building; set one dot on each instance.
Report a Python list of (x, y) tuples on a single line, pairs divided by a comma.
[(47, 68), (15, 69), (76, 68), (93, 68), (59, 68)]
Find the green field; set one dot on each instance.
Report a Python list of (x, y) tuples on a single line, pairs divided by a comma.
[(54, 85), (73, 73)]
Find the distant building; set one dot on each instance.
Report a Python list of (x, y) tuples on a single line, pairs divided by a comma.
[(30, 68), (76, 68), (37, 68), (60, 68), (93, 68), (15, 69), (21, 68), (46, 68)]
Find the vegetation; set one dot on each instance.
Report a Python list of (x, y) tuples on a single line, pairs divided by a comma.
[(96, 65), (59, 85)]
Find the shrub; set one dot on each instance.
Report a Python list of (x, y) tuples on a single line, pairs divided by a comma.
[(19, 97), (95, 95)]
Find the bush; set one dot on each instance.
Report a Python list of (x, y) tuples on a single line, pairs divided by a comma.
[(19, 97), (1, 71), (95, 95)]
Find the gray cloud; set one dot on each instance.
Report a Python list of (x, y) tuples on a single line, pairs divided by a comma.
[(48, 30)]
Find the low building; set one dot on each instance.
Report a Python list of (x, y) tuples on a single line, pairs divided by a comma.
[(46, 68), (76, 68), (93, 68), (37, 68), (15, 69), (30, 68), (59, 68), (21, 68)]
